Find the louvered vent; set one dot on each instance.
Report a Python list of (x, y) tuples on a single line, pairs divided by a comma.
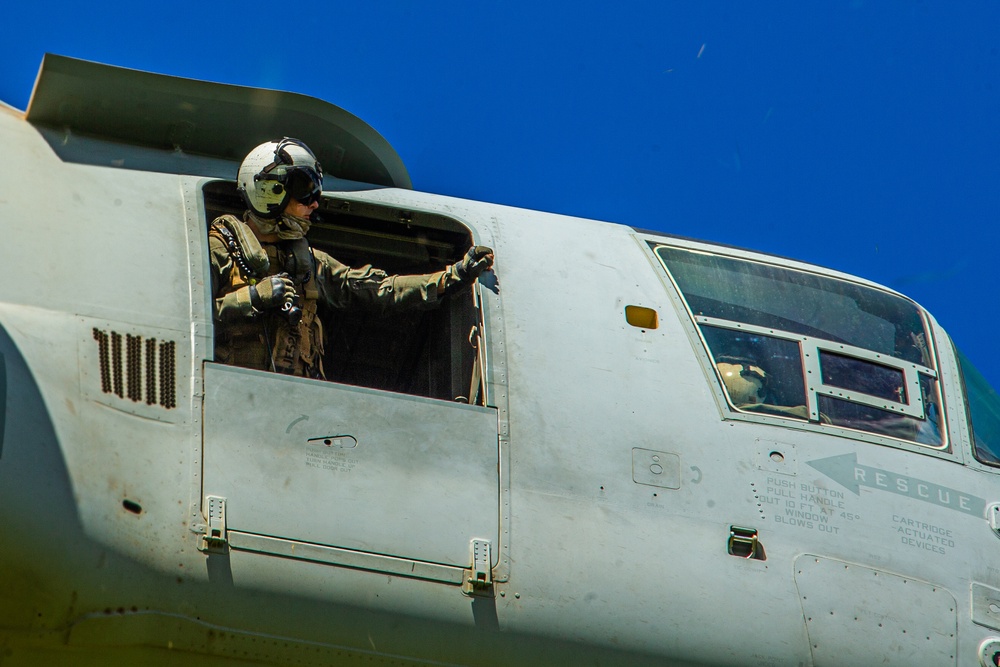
[(137, 369)]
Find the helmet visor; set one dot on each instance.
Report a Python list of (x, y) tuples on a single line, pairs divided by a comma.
[(304, 186)]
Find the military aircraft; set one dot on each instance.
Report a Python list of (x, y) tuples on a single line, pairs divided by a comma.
[(657, 451)]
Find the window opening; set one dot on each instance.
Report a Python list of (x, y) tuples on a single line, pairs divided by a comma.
[(426, 353), (863, 376), (802, 346), (779, 390)]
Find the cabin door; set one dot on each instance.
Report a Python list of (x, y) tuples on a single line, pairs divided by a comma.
[(348, 475)]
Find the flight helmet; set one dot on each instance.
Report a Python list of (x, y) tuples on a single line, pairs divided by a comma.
[(744, 382), (276, 171)]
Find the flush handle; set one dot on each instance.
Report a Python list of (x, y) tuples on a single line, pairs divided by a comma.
[(743, 542)]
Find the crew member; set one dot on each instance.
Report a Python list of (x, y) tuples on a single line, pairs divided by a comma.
[(271, 288), (744, 381)]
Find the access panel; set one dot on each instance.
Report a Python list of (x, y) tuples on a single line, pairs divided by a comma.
[(304, 466)]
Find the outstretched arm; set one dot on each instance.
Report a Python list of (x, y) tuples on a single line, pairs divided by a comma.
[(374, 289)]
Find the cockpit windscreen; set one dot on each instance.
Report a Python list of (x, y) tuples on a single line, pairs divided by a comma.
[(984, 411)]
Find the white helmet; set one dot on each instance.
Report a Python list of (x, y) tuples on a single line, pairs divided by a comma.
[(276, 171), (744, 382)]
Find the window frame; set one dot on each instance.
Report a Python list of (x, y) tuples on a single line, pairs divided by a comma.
[(691, 324), (810, 348)]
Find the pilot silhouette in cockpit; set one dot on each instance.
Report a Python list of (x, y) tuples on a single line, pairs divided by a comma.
[(747, 384)]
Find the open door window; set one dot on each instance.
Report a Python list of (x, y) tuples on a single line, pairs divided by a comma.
[(431, 353)]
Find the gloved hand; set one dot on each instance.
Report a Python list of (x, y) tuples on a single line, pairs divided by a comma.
[(273, 292), (476, 260)]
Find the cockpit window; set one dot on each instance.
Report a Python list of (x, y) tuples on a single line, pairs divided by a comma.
[(798, 345), (984, 409)]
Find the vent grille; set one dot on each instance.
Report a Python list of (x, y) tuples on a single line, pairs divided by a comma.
[(168, 374), (102, 351), (125, 361), (133, 370), (151, 372), (116, 363)]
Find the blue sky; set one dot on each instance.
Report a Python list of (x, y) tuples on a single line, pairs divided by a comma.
[(861, 135)]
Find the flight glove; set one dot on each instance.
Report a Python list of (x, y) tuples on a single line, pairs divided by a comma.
[(273, 292), (476, 260)]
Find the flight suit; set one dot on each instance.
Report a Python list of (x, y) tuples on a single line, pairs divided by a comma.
[(267, 340)]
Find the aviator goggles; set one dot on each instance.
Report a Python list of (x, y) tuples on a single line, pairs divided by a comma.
[(304, 186)]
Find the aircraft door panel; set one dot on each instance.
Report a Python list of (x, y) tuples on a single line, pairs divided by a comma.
[(357, 469)]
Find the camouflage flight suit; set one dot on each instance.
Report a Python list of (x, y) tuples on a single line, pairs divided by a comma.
[(251, 339)]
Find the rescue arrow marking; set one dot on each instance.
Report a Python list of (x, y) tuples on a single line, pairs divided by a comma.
[(844, 470)]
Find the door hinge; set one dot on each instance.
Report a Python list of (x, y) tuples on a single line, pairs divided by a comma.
[(479, 578), (215, 538)]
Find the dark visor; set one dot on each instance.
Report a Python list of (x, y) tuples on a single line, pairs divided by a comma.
[(304, 186)]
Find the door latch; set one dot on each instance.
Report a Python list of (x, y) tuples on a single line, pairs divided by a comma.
[(215, 538), (479, 578)]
